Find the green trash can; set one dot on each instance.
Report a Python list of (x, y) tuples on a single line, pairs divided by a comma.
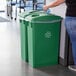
[(43, 39), (23, 33)]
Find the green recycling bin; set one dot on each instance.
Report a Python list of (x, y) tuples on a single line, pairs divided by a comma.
[(23, 33), (43, 39)]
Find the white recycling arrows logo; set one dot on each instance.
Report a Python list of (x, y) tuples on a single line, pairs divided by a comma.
[(48, 34)]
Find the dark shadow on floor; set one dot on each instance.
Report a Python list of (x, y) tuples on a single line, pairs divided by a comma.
[(57, 70)]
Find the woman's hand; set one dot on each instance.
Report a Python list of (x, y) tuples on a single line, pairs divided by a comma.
[(45, 7)]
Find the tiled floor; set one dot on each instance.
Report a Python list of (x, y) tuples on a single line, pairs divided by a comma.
[(10, 59)]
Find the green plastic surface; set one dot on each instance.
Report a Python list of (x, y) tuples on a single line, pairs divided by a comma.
[(40, 37), (43, 39)]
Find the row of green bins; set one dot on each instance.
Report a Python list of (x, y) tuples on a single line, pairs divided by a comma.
[(40, 34), (23, 33)]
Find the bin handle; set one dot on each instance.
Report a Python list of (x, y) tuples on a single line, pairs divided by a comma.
[(34, 15)]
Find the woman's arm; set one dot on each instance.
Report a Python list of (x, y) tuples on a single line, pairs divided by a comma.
[(53, 4)]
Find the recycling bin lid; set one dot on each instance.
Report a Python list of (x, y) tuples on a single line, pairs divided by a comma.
[(42, 17), (35, 15), (46, 18), (26, 13)]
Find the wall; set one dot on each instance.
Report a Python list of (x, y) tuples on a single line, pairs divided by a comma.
[(60, 10)]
